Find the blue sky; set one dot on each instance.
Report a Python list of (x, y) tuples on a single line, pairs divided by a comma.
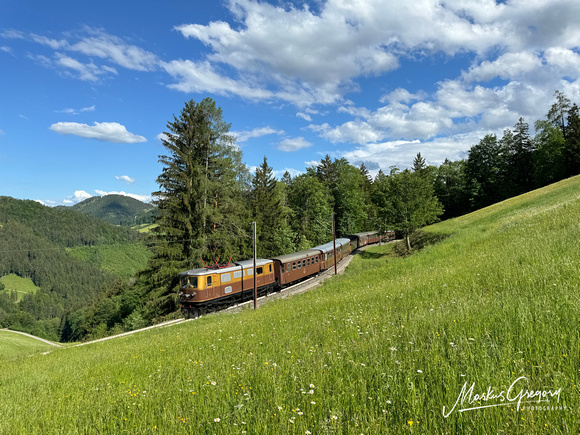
[(86, 89)]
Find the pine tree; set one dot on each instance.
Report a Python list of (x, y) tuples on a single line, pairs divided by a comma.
[(521, 163), (199, 200), (419, 163), (270, 214), (572, 142)]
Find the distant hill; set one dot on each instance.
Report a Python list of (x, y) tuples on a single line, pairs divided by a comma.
[(117, 210), (70, 256)]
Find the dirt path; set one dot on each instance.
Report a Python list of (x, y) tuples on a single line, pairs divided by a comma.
[(32, 336)]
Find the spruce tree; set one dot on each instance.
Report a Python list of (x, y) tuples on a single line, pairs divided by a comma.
[(199, 201)]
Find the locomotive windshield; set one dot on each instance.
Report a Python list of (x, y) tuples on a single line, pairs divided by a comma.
[(189, 281)]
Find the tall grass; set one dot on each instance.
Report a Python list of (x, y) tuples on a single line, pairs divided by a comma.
[(381, 349)]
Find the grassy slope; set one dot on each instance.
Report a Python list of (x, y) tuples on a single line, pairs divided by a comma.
[(16, 345), (379, 350), (122, 260), (21, 286)]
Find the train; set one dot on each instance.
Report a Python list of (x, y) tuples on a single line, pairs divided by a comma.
[(208, 289)]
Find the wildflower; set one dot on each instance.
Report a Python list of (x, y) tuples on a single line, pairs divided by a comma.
[(308, 432), (313, 403), (213, 382), (217, 420), (334, 417), (410, 422), (419, 371), (311, 385), (311, 392), (300, 413)]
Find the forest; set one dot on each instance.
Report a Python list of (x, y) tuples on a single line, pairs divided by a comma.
[(207, 199)]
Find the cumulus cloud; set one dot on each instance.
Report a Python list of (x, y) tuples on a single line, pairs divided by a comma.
[(126, 179), (103, 131), (294, 144), (507, 66), (243, 136)]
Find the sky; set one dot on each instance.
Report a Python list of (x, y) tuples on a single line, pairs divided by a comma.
[(87, 88)]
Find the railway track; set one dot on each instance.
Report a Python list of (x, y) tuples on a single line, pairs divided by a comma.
[(285, 293)]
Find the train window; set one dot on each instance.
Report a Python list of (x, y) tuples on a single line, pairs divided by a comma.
[(288, 267), (193, 281), (308, 262), (299, 264), (238, 274), (293, 265), (270, 267), (208, 281), (250, 272), (183, 281), (226, 277), (303, 263), (259, 270)]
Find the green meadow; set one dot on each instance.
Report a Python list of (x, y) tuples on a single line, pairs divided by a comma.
[(13, 346), (14, 283), (123, 260), (384, 348)]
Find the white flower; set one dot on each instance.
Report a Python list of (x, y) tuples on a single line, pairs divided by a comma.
[(334, 417), (311, 392), (419, 371), (311, 385), (217, 420)]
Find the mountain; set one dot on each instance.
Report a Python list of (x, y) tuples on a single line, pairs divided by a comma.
[(117, 209), (65, 253)]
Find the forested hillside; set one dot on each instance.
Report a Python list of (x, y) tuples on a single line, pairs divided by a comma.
[(33, 244), (117, 209)]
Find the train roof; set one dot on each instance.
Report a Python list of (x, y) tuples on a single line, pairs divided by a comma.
[(246, 264), (327, 247), (296, 255)]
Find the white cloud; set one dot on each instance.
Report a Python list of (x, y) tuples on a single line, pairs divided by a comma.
[(567, 61), (126, 179), (294, 144), (202, 77), (293, 172), (304, 116), (142, 198), (115, 49), (71, 111), (103, 131), (507, 66), (243, 136), (83, 71)]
